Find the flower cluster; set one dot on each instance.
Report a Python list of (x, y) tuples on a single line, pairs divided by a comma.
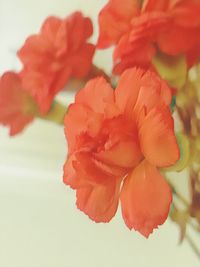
[(141, 29), (120, 129), (121, 137), (59, 52)]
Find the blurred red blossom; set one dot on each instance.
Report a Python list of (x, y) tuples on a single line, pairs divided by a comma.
[(140, 29), (117, 140), (16, 105), (59, 52)]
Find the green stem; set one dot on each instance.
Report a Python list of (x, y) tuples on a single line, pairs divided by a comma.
[(56, 114)]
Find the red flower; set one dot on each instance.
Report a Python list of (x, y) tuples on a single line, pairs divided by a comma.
[(140, 28), (117, 140), (16, 106), (60, 51)]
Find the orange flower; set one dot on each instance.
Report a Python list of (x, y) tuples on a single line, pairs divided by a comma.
[(60, 51), (117, 140), (141, 28), (16, 106)]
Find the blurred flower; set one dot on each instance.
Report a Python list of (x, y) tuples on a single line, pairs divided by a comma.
[(60, 51), (117, 140), (141, 28), (16, 106)]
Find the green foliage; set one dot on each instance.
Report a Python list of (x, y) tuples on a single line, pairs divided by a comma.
[(171, 68)]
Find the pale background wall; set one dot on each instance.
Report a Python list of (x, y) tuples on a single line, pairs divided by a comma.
[(39, 223)]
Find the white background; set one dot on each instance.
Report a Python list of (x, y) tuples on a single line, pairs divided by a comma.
[(39, 223)]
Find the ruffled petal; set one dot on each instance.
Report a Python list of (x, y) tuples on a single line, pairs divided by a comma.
[(38, 85), (125, 154), (183, 38), (153, 92), (136, 47), (186, 13), (114, 20), (99, 202), (80, 119), (142, 57), (127, 90), (97, 95), (36, 52), (60, 51), (50, 27), (99, 194), (80, 62), (138, 89), (157, 139), (79, 29), (145, 199), (147, 26), (69, 175)]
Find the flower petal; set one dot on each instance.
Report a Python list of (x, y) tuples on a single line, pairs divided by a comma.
[(98, 202), (125, 154), (155, 5), (147, 26), (186, 13), (97, 95), (154, 92), (51, 26), (128, 88), (145, 199), (99, 194), (82, 57), (17, 108), (157, 139), (60, 51), (36, 52), (184, 39), (34, 82), (80, 119), (80, 29), (114, 20), (69, 176), (138, 89), (142, 56)]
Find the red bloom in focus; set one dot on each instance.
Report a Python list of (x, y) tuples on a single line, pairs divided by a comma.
[(60, 51), (117, 140), (16, 105), (140, 28)]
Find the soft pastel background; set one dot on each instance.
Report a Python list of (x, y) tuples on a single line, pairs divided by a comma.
[(39, 223)]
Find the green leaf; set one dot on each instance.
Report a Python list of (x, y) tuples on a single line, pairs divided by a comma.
[(173, 69), (173, 103), (184, 147)]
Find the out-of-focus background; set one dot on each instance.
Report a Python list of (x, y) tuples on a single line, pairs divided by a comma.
[(39, 223)]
